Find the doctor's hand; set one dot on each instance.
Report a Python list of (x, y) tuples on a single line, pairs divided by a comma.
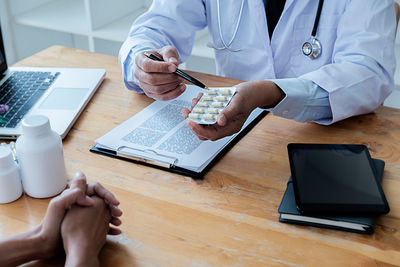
[(249, 95), (156, 78)]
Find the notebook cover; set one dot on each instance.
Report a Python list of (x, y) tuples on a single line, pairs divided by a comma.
[(288, 206), (182, 171)]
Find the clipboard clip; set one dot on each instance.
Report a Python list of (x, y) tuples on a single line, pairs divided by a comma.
[(147, 155)]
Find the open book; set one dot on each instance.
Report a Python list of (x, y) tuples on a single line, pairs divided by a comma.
[(159, 136)]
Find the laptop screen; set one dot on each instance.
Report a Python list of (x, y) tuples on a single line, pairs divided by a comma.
[(3, 63)]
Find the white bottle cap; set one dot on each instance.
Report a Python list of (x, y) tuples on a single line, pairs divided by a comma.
[(6, 158), (35, 125)]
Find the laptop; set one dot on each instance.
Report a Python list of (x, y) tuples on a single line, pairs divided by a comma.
[(61, 94)]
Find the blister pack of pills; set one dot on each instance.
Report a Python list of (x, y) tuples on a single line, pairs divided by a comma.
[(213, 101)]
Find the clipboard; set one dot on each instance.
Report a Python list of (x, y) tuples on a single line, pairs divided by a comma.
[(170, 166)]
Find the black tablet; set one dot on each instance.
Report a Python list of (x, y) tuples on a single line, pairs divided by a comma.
[(333, 178)]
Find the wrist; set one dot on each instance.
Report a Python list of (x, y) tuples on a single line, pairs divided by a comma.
[(266, 94), (80, 255), (37, 243), (78, 251)]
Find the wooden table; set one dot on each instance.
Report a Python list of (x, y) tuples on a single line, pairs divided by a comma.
[(230, 218)]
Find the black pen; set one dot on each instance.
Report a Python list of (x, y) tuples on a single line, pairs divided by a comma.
[(178, 72)]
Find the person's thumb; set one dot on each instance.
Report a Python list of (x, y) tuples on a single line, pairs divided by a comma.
[(229, 112), (68, 198), (170, 54), (75, 196), (59, 205)]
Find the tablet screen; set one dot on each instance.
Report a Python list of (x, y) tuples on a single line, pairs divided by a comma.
[(338, 178)]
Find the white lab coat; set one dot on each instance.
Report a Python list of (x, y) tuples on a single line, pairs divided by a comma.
[(356, 66)]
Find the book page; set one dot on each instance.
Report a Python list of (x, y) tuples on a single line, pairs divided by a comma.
[(166, 131), (160, 132)]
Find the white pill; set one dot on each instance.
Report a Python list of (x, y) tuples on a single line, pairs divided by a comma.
[(194, 116), (211, 92), (207, 98), (221, 98), (198, 110), (209, 117), (202, 104), (213, 110), (225, 91), (217, 104)]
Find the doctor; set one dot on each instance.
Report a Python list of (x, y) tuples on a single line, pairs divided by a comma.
[(310, 60)]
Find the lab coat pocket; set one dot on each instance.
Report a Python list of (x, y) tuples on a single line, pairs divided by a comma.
[(326, 34)]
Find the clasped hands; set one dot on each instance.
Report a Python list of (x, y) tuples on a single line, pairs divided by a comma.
[(83, 213), (78, 220)]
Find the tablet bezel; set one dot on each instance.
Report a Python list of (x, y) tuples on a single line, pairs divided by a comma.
[(316, 208)]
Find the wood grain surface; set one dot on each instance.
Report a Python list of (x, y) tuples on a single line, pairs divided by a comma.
[(230, 217)]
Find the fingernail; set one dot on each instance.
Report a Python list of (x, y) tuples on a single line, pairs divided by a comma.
[(173, 60), (182, 87), (222, 120), (79, 174), (172, 68)]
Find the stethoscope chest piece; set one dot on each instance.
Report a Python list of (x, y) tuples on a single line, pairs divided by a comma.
[(312, 48)]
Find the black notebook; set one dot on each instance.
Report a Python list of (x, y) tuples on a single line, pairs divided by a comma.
[(359, 224)]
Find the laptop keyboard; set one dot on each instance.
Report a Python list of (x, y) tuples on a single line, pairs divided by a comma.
[(21, 91)]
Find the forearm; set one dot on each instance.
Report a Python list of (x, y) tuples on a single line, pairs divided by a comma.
[(262, 94), (297, 99), (304, 101), (21, 248), (363, 61), (358, 91), (269, 94)]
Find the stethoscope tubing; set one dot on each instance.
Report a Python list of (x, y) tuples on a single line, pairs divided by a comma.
[(318, 15), (227, 46)]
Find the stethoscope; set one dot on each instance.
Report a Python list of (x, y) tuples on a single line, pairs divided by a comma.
[(225, 45), (311, 48)]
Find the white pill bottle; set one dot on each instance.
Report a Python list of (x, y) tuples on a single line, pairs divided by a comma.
[(41, 159), (10, 184)]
